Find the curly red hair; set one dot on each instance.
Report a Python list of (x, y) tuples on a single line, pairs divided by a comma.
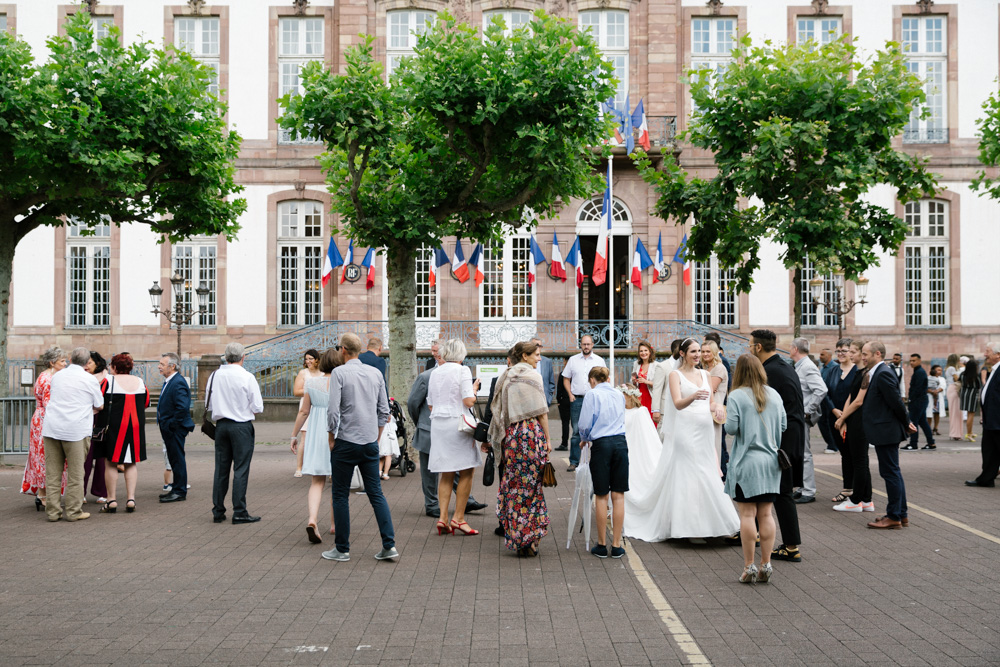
[(122, 363)]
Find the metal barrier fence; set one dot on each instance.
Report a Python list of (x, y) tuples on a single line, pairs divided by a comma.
[(15, 424), (14, 368)]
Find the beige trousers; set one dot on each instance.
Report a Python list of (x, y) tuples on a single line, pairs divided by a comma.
[(72, 454)]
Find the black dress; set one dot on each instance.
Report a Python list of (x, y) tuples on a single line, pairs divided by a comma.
[(857, 444), (125, 441)]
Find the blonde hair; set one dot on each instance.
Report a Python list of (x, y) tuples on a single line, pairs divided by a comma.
[(632, 401), (750, 373), (711, 345)]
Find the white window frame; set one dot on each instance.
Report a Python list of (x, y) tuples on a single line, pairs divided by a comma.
[(430, 309), (925, 43), (708, 279), (512, 19), (196, 259), (510, 264), (820, 29), (101, 26), (610, 29), (718, 53), (926, 264), (301, 241), (815, 316), (293, 55), (95, 250), (194, 34), (399, 46)]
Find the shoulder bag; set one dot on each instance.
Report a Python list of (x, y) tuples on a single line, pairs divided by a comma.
[(549, 475), (783, 461), (100, 432), (207, 425), (488, 468), (469, 422)]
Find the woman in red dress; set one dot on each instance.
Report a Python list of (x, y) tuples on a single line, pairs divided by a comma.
[(642, 374), (126, 398), (34, 469)]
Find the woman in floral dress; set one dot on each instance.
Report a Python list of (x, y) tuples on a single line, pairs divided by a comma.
[(34, 469), (520, 429)]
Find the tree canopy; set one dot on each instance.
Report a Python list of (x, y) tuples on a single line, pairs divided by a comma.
[(989, 147), (470, 133), (102, 131), (800, 133)]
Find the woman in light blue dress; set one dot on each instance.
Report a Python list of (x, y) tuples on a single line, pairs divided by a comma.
[(316, 444)]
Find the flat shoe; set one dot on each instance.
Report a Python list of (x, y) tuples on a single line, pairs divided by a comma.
[(313, 535)]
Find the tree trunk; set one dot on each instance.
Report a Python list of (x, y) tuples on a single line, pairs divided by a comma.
[(797, 307), (7, 245), (400, 268)]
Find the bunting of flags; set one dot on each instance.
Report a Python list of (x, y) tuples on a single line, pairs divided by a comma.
[(476, 264), (640, 262), (368, 263), (536, 258), (658, 264), (681, 258), (440, 259), (349, 259), (558, 270), (333, 260), (600, 273), (575, 259), (459, 268)]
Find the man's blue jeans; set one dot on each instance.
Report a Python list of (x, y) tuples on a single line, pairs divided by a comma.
[(574, 420), (888, 468), (343, 458)]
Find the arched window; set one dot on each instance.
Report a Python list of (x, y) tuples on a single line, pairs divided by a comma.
[(588, 218), (301, 235)]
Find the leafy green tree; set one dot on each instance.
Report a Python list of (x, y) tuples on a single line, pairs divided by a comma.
[(103, 131), (989, 147), (803, 133), (473, 132)]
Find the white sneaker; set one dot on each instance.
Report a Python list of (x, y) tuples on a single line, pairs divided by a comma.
[(848, 506), (868, 507), (829, 451)]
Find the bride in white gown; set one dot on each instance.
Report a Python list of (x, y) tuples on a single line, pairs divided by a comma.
[(684, 496), (644, 446)]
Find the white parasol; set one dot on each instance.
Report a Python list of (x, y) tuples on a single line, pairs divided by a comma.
[(581, 498)]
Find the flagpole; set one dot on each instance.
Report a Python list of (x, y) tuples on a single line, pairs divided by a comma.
[(611, 276)]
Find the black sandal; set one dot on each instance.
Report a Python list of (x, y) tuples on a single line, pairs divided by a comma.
[(130, 508), (842, 496), (108, 509)]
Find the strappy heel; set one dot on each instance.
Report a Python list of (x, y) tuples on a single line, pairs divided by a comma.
[(130, 505), (457, 528), (749, 575), (764, 573), (108, 509), (39, 505), (443, 528)]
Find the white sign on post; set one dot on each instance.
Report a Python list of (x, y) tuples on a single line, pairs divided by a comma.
[(485, 375)]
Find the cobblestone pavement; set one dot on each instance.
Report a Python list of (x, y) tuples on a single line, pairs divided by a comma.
[(165, 585)]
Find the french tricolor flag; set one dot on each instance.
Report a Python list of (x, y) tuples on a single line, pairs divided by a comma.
[(575, 259), (536, 258), (680, 258), (600, 273), (558, 270), (439, 259), (349, 259), (639, 122), (332, 261), (658, 264), (640, 262), (476, 264), (459, 268), (369, 263)]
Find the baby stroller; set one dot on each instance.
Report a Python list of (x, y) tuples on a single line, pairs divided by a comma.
[(401, 462)]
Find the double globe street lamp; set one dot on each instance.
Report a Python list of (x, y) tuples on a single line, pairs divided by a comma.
[(180, 315), (837, 305)]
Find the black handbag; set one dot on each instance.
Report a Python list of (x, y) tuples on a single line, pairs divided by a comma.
[(488, 469), (101, 431), (207, 425)]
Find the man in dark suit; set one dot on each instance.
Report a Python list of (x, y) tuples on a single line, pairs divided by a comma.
[(435, 359), (991, 421), (173, 415), (782, 378), (918, 403), (420, 413), (371, 357), (886, 425)]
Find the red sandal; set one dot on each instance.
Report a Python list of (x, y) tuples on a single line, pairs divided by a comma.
[(457, 528)]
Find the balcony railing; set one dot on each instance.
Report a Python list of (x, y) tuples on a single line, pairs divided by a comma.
[(662, 130), (925, 135)]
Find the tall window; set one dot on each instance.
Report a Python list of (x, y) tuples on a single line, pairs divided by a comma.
[(102, 25), (300, 41), (505, 292), (714, 303), (427, 296), (195, 261), (814, 315), (712, 42), (199, 36), (300, 263), (512, 19), (3, 21), (405, 27), (609, 29), (925, 42), (925, 257), (820, 29), (88, 275)]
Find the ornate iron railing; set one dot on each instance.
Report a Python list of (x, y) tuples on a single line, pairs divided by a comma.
[(662, 130), (925, 135)]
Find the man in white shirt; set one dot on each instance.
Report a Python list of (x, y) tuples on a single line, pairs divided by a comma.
[(574, 377), (896, 366), (234, 400), (69, 422)]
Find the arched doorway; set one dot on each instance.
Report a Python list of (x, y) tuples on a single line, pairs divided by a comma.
[(593, 303)]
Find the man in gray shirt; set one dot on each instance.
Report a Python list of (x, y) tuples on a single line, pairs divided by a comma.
[(356, 416), (813, 392)]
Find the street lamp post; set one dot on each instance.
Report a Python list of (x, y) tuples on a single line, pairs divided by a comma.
[(180, 315), (838, 305)]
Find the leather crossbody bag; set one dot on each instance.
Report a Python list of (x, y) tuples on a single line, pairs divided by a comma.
[(207, 425)]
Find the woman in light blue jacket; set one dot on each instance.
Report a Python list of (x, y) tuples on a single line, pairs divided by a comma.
[(756, 418)]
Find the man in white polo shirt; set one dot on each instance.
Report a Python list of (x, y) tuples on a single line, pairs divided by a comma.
[(574, 377), (69, 423)]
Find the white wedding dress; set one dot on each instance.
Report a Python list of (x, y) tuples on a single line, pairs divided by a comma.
[(684, 496), (644, 449)]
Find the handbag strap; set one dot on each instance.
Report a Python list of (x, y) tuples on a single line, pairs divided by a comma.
[(208, 399)]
